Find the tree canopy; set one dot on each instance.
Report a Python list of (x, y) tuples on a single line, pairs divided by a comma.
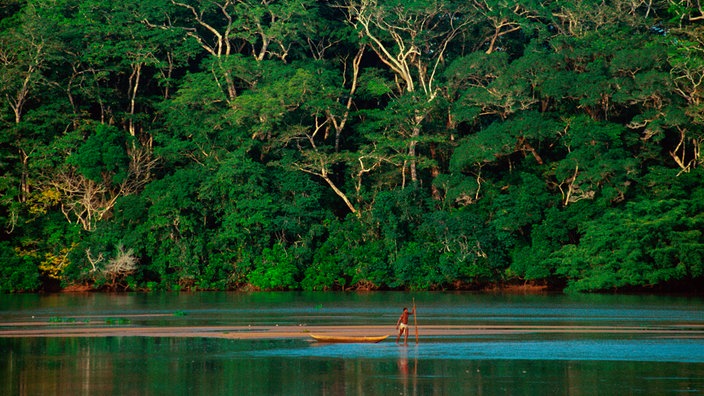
[(351, 144)]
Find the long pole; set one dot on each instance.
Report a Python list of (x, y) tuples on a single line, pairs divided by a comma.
[(415, 322)]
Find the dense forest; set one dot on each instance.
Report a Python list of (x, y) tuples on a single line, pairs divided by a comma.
[(351, 144)]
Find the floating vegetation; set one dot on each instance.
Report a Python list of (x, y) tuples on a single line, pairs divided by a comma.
[(56, 319), (117, 321), (180, 313)]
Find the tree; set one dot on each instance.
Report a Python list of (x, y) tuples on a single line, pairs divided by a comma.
[(687, 60), (315, 92), (412, 39), (97, 174), (28, 45), (265, 29), (648, 244), (18, 272), (112, 272), (355, 144)]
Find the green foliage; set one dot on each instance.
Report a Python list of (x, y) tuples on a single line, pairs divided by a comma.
[(328, 271), (103, 153), (519, 206), (596, 158), (19, 270), (414, 267), (175, 219), (503, 138), (56, 319), (276, 269), (117, 321), (350, 257), (463, 244), (560, 229), (647, 243), (281, 145)]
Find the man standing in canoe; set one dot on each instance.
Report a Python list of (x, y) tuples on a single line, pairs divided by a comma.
[(402, 324)]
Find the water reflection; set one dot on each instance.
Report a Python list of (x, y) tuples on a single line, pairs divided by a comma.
[(568, 349), (149, 366), (408, 375), (539, 363)]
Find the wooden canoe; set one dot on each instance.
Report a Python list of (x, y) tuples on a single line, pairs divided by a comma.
[(347, 339)]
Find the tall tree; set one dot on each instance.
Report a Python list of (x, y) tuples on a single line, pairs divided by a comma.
[(687, 59), (28, 45), (412, 39), (263, 28)]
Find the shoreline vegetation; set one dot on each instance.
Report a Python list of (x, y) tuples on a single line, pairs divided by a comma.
[(523, 288), (351, 145), (516, 288)]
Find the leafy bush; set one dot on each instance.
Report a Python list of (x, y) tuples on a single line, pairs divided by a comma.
[(19, 270), (275, 270)]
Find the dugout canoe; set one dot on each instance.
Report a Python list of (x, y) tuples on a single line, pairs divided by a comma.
[(348, 339)]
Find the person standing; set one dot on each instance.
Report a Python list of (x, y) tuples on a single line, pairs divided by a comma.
[(402, 324)]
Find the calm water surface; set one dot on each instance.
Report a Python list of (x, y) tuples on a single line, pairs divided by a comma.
[(662, 353)]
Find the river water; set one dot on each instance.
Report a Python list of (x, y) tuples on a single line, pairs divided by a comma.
[(519, 345)]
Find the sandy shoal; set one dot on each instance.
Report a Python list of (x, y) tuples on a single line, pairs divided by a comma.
[(8, 330)]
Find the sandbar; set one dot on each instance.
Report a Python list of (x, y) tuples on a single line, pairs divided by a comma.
[(30, 329)]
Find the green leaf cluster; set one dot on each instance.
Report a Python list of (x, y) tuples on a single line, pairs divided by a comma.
[(351, 145)]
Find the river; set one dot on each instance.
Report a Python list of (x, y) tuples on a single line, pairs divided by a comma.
[(468, 343)]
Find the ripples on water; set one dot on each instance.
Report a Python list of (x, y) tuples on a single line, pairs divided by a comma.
[(691, 351), (527, 363)]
